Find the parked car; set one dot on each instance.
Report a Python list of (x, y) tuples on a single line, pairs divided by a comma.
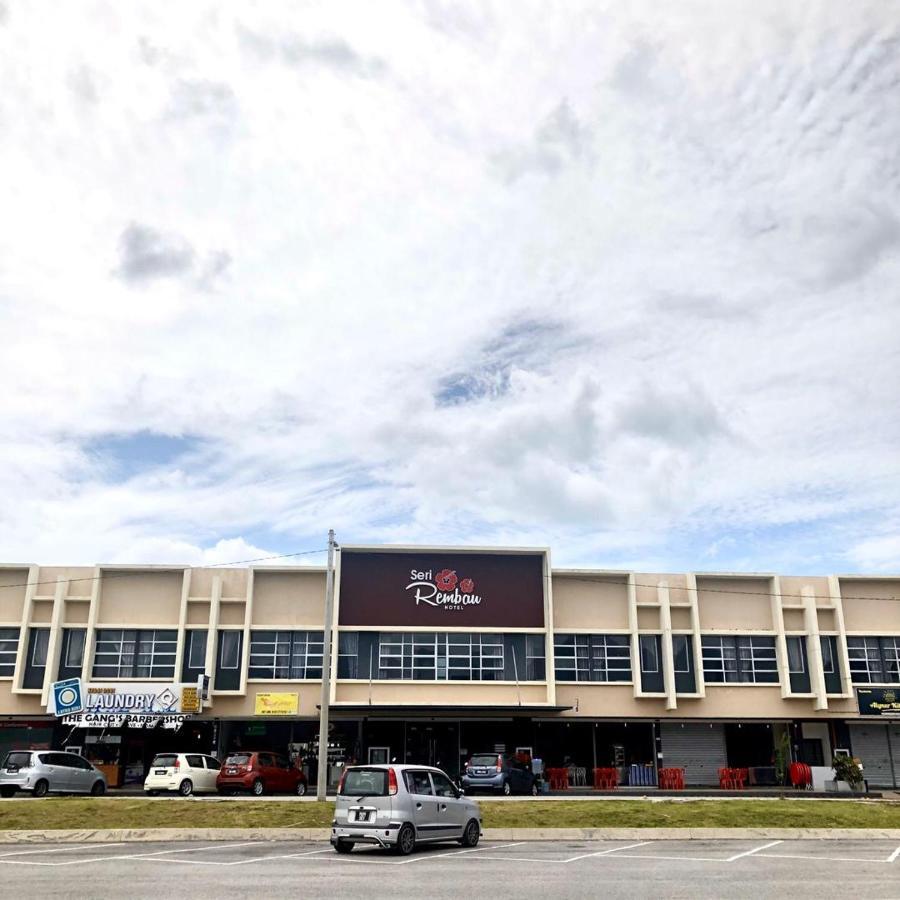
[(259, 772), (42, 771), (500, 774), (186, 773), (401, 806)]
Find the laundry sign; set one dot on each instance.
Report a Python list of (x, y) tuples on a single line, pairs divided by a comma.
[(139, 703)]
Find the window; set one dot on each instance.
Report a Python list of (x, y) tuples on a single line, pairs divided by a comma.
[(418, 783), (73, 652), (361, 782), (592, 657), (749, 660), (649, 653), (874, 660), (681, 652), (229, 649), (212, 763), (796, 651), (39, 647), (429, 656), (442, 785), (9, 644), (196, 649), (134, 654), (348, 654), (535, 657), (286, 654), (827, 656), (194, 761)]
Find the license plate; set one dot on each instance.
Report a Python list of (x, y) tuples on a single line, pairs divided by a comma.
[(231, 771), (362, 816), (159, 771)]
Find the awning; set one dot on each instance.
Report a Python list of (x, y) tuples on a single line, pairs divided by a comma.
[(487, 712)]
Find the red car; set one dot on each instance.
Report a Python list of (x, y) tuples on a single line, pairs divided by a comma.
[(259, 772)]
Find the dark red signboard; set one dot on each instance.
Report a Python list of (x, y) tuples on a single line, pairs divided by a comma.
[(441, 589)]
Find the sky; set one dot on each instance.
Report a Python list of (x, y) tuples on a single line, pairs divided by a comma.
[(621, 279)]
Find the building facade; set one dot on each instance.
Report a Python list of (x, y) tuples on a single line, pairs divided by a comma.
[(439, 653)]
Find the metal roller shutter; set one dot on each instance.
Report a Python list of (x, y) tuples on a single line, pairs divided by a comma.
[(697, 748), (869, 742)]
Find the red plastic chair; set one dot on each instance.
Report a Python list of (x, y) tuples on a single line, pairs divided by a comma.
[(606, 779), (726, 779), (741, 777)]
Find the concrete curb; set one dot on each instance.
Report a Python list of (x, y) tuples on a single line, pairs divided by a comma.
[(112, 835)]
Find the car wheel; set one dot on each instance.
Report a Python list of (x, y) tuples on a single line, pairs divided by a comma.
[(507, 790), (258, 788), (186, 788), (535, 789), (342, 846), (300, 790), (99, 789), (471, 834), (7, 791), (406, 840), (40, 789), (151, 793)]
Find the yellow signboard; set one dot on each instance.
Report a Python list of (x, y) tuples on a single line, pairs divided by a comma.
[(277, 704), (190, 700)]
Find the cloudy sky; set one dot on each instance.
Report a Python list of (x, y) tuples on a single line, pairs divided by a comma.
[(618, 278)]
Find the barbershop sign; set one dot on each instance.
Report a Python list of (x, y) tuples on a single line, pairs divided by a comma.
[(441, 589), (112, 704)]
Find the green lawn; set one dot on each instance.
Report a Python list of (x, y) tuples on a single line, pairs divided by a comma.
[(70, 812)]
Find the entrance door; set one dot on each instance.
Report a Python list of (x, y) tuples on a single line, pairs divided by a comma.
[(433, 744)]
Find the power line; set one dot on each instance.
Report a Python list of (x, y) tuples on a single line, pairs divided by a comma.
[(131, 573)]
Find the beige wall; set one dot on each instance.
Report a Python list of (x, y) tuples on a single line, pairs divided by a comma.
[(579, 602), (880, 615), (12, 599), (484, 694), (289, 599), (722, 606), (147, 598), (792, 588)]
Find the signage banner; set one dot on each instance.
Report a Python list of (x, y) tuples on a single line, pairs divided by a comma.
[(441, 589), (117, 720), (66, 697), (277, 704), (111, 704), (884, 702)]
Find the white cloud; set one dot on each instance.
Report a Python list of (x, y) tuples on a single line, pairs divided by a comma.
[(452, 274)]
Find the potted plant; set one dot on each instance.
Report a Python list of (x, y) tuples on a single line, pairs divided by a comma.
[(849, 770)]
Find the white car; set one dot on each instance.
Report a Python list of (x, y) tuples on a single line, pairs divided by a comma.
[(186, 773)]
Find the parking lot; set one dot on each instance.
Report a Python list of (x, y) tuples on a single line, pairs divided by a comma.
[(724, 868)]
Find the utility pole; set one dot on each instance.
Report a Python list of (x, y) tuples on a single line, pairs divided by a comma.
[(322, 781)]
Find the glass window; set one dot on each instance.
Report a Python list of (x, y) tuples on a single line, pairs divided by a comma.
[(230, 649), (429, 656), (286, 654), (827, 655), (73, 656), (890, 655), (796, 651), (649, 653), (418, 783), (127, 653), (9, 643), (212, 762), (748, 659), (196, 651), (194, 761), (366, 782), (39, 647), (442, 785), (681, 652), (535, 657), (348, 654), (865, 660), (592, 657)]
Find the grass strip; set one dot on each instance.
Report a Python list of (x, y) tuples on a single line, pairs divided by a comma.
[(70, 812)]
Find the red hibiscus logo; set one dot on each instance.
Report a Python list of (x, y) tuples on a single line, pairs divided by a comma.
[(446, 580), (467, 585)]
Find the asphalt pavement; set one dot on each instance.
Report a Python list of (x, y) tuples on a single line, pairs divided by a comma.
[(627, 869)]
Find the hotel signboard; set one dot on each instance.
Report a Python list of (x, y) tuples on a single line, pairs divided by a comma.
[(884, 702)]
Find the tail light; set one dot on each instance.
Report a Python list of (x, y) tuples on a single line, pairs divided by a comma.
[(340, 788), (177, 763), (392, 782), (468, 763), (499, 763)]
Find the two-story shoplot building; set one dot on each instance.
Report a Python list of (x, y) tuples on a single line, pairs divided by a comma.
[(439, 653)]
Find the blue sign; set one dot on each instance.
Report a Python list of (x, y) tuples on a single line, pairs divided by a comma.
[(67, 696)]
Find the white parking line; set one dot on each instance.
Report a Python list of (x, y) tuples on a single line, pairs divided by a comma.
[(60, 849), (646, 856), (893, 857), (752, 852), (607, 852), (458, 853), (820, 858), (145, 856)]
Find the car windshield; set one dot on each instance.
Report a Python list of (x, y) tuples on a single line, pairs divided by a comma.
[(365, 781), (17, 760), (238, 759), (164, 759), (484, 759)]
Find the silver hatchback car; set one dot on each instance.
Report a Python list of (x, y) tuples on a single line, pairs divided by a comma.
[(42, 771), (401, 806)]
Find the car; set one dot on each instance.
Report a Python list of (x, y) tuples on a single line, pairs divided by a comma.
[(45, 771), (186, 773), (259, 772), (502, 775), (401, 806)]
